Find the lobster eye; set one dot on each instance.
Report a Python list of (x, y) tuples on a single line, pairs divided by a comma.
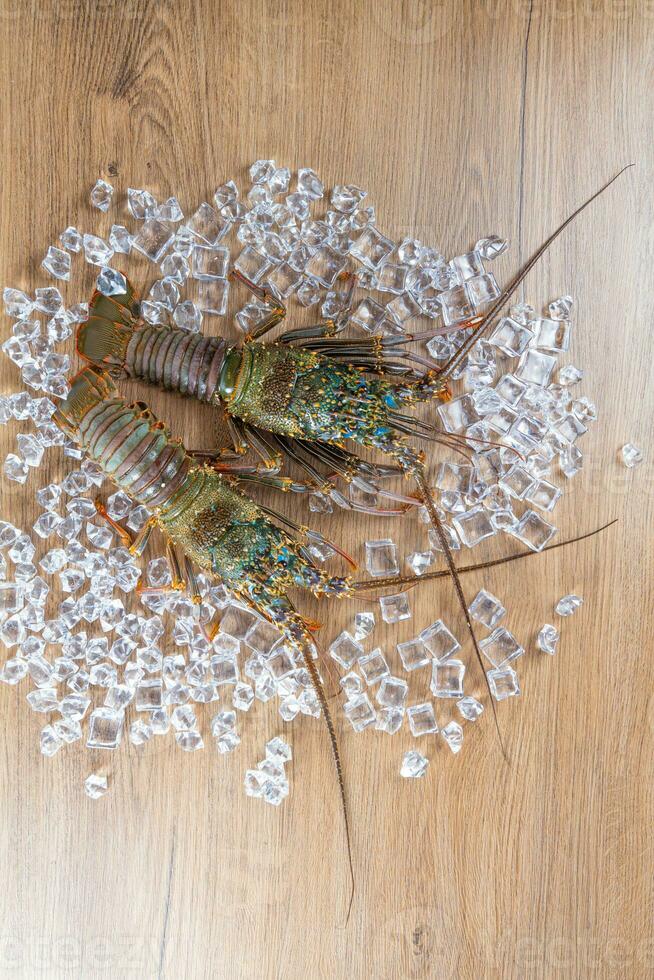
[(229, 373)]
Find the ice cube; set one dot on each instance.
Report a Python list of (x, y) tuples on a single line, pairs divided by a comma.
[(419, 561), (97, 251), (153, 238), (141, 203), (369, 316), (422, 720), (111, 283), (503, 683), (469, 708), (187, 316), (474, 526), (395, 608), (364, 624), (534, 530), (278, 751), (242, 696), (101, 194), (631, 455), (552, 335), (57, 263), (372, 248), (71, 239), (105, 729), (360, 712), (325, 265), (447, 678), (510, 337), (373, 666), (568, 605), (414, 765), (548, 637), (413, 654), (381, 558), (501, 647), (487, 609), (536, 367), (453, 735), (345, 650), (438, 640), (389, 720)]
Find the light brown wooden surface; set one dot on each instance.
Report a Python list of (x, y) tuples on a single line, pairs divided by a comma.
[(460, 119)]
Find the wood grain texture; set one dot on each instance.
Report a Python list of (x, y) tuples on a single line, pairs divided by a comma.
[(460, 119)]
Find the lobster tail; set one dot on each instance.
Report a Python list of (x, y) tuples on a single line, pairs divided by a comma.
[(105, 336), (89, 388)]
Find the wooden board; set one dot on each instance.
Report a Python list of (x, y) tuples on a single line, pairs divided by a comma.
[(460, 119)]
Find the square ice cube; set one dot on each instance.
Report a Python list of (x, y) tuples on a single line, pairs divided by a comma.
[(536, 367), (503, 683), (456, 305), (209, 262), (153, 239), (395, 608), (371, 248), (422, 720), (149, 695), (360, 712), (105, 729), (552, 335), (373, 667), (325, 264), (501, 647), (439, 641), (252, 264), (534, 530), (486, 609), (459, 414), (511, 338), (474, 526), (381, 558), (212, 296), (345, 650), (369, 316), (413, 654), (482, 289), (467, 266), (392, 692), (447, 678)]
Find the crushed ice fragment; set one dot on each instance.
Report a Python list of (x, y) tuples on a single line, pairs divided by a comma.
[(57, 263), (110, 282), (469, 708), (101, 195), (568, 605), (453, 735), (548, 637), (631, 455)]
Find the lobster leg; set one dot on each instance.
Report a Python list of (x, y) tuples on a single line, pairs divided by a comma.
[(277, 313)]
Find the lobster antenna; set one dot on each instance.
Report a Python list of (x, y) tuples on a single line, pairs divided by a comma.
[(419, 475), (413, 580), (336, 755), (479, 331)]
